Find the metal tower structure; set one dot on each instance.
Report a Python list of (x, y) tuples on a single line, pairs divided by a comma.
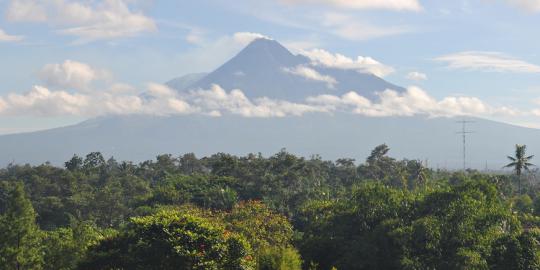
[(463, 134)]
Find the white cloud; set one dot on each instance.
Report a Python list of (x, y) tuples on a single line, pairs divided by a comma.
[(71, 74), (362, 64), (88, 21), (311, 74), (409, 5), (4, 37), (416, 76), (40, 101), (487, 61), (351, 28)]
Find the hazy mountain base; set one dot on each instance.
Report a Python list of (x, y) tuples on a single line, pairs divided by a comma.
[(140, 138)]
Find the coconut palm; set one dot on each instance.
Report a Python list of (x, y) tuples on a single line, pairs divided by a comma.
[(520, 162)]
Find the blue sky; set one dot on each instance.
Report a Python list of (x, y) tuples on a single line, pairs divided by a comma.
[(75, 50)]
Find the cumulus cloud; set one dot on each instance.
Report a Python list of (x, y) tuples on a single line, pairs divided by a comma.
[(88, 21), (362, 64), (71, 74), (487, 61), (4, 37), (311, 74), (409, 5), (416, 76)]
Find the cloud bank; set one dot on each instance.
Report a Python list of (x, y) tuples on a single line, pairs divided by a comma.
[(160, 100)]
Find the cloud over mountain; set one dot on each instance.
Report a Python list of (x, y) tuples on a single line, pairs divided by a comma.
[(320, 57), (311, 74)]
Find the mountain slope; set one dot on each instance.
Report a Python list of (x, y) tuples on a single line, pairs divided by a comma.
[(259, 70), (332, 136), (185, 81)]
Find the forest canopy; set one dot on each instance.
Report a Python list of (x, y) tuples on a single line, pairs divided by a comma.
[(254, 212)]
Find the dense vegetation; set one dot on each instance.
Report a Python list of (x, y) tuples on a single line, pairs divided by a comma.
[(252, 212)]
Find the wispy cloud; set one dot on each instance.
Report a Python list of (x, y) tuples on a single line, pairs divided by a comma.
[(351, 28), (4, 37), (527, 5), (399, 5), (416, 76), (487, 61), (88, 21)]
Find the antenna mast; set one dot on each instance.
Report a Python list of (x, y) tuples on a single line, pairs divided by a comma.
[(464, 133)]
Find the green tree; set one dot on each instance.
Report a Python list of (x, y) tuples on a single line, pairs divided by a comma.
[(171, 239), (75, 163), (20, 245), (519, 252), (269, 234), (520, 162), (66, 247)]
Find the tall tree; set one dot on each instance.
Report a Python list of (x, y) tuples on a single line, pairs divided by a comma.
[(20, 245), (520, 162)]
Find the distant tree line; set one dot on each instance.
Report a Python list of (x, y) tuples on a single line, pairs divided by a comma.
[(255, 212)]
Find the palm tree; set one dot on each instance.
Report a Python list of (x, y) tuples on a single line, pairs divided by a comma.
[(520, 162)]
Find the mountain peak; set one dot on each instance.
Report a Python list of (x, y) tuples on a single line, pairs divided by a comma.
[(265, 43), (267, 49)]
